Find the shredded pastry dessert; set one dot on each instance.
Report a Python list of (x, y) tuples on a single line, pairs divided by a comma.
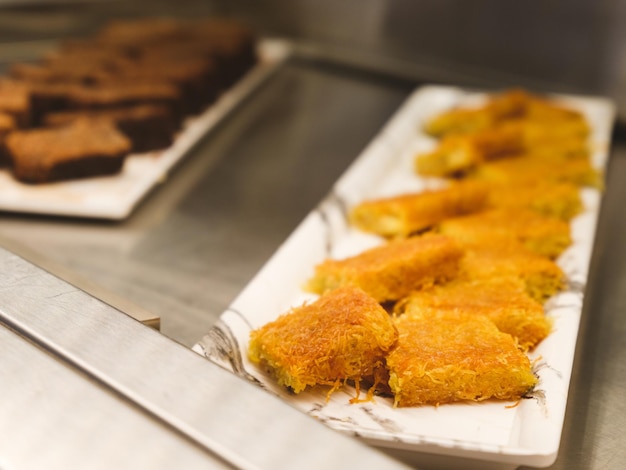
[(344, 335), (392, 270), (448, 356), (463, 272)]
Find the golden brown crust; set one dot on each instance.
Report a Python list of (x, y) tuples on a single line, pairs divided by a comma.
[(503, 300), (393, 270), (510, 105), (468, 295), (546, 236), (525, 170), (344, 335), (492, 258), (403, 215), (449, 356), (557, 200), (509, 124)]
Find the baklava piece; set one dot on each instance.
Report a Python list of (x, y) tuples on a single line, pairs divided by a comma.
[(342, 336)]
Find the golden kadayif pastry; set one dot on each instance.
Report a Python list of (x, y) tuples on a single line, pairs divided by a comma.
[(547, 236), (400, 216), (529, 168), (515, 104), (558, 200), (344, 335), (508, 124), (450, 356), (492, 258), (391, 271), (457, 154), (503, 300)]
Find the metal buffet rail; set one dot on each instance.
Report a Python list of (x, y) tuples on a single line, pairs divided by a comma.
[(84, 385)]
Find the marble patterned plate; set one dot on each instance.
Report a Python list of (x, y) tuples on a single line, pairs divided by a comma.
[(487, 434)]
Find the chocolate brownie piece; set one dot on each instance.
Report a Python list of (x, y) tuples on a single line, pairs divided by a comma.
[(230, 43), (113, 95), (141, 31), (7, 124), (15, 100), (196, 78), (149, 127), (82, 149), (43, 73), (233, 44), (47, 98)]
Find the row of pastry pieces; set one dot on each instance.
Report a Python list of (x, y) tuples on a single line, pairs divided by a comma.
[(81, 109), (448, 306)]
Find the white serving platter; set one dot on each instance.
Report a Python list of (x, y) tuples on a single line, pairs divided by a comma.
[(481, 435), (114, 197)]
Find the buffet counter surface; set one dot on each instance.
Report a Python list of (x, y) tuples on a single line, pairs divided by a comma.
[(197, 240)]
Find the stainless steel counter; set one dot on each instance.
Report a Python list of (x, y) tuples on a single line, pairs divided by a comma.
[(86, 386), (193, 245)]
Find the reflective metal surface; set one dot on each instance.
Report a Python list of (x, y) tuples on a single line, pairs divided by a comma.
[(52, 417), (110, 377), (199, 238)]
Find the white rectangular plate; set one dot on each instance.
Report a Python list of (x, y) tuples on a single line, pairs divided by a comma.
[(114, 197), (494, 434)]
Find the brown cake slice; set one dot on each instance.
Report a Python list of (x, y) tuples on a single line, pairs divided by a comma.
[(393, 270), (15, 100), (7, 124), (81, 149), (449, 356), (197, 79), (149, 127), (48, 97), (123, 32), (126, 94), (344, 335), (77, 72)]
